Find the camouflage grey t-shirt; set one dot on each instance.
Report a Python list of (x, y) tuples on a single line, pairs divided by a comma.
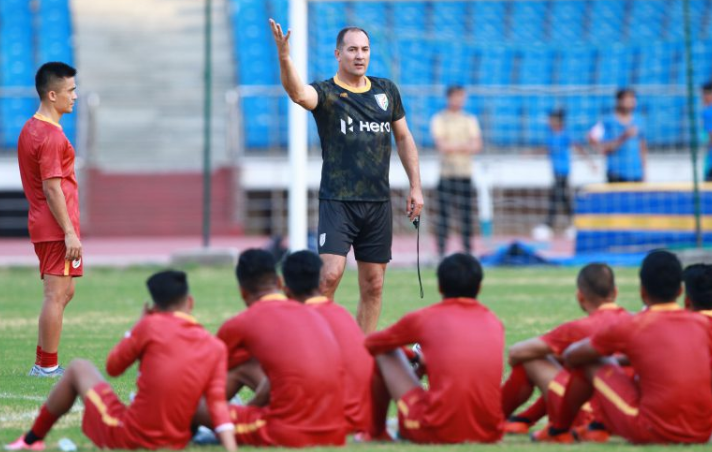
[(355, 131)]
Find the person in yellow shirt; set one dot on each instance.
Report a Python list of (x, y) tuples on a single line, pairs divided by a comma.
[(457, 138)]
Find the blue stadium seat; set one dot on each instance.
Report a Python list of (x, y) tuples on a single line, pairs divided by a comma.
[(416, 62), (536, 66), (419, 124), (527, 21), (409, 18), (663, 117), (260, 115), (582, 112), (494, 65), (17, 67), (607, 21), (566, 24), (506, 121), (614, 66), (701, 61), (646, 20), (371, 16), (536, 109), (575, 66), (449, 19), (489, 22), (455, 65), (279, 11), (656, 63)]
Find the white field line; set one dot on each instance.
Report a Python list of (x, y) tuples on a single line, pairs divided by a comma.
[(78, 406)]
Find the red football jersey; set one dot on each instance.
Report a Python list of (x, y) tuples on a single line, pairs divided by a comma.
[(566, 334), (670, 350), (44, 152), (463, 347), (300, 356), (179, 363), (358, 363)]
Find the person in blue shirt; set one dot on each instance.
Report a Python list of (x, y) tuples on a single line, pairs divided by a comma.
[(621, 138), (707, 126), (558, 147)]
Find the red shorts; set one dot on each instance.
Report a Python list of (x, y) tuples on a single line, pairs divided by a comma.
[(250, 425), (618, 397), (52, 261), (102, 421), (555, 397), (411, 410)]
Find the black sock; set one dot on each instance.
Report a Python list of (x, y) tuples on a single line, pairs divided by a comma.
[(556, 431), (519, 419), (31, 438), (596, 426)]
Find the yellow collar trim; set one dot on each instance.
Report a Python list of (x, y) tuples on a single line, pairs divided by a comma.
[(46, 119), (665, 307), (462, 300), (316, 300), (707, 312), (608, 306), (272, 297), (184, 316), (353, 89)]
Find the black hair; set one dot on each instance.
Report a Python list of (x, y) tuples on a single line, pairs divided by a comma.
[(661, 276), (621, 93), (301, 271), (460, 275), (256, 268), (168, 288), (596, 281), (707, 87), (698, 285), (342, 34), (49, 74), (558, 113), (452, 89)]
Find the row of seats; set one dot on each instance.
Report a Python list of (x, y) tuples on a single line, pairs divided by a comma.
[(506, 120), (23, 48), (554, 44)]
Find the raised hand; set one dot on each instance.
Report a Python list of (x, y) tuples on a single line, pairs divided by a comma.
[(280, 39)]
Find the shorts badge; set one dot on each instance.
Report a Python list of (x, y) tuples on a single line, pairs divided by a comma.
[(382, 101), (322, 239), (76, 263)]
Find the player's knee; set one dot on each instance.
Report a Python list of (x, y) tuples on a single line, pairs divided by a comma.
[(373, 286), (78, 366), (69, 294), (329, 279)]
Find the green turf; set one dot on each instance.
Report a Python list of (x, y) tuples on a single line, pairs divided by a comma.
[(108, 301)]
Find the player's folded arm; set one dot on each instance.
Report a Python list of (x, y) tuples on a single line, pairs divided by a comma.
[(397, 335), (126, 352), (581, 353), (527, 350)]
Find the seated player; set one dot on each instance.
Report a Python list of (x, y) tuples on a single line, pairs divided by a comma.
[(288, 352), (698, 289), (301, 272), (670, 398), (535, 362), (462, 345), (179, 363)]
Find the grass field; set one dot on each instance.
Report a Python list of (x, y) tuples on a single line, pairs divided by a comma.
[(108, 301)]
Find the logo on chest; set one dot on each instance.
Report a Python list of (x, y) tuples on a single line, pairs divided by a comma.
[(382, 101)]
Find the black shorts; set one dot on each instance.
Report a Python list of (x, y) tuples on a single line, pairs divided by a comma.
[(368, 226)]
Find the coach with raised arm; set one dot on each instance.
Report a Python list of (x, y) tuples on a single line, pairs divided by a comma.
[(355, 116)]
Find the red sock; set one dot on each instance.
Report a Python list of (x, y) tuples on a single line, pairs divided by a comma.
[(44, 422), (536, 411), (563, 411), (38, 355), (516, 390), (48, 359)]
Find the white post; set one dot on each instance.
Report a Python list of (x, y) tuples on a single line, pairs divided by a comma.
[(298, 132)]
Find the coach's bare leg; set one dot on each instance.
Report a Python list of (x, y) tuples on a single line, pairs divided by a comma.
[(370, 282), (397, 373), (331, 273), (58, 292), (79, 377)]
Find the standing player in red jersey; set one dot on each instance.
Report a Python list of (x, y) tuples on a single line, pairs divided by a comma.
[(46, 160), (179, 363), (670, 398), (301, 272), (282, 348), (535, 361), (462, 348)]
